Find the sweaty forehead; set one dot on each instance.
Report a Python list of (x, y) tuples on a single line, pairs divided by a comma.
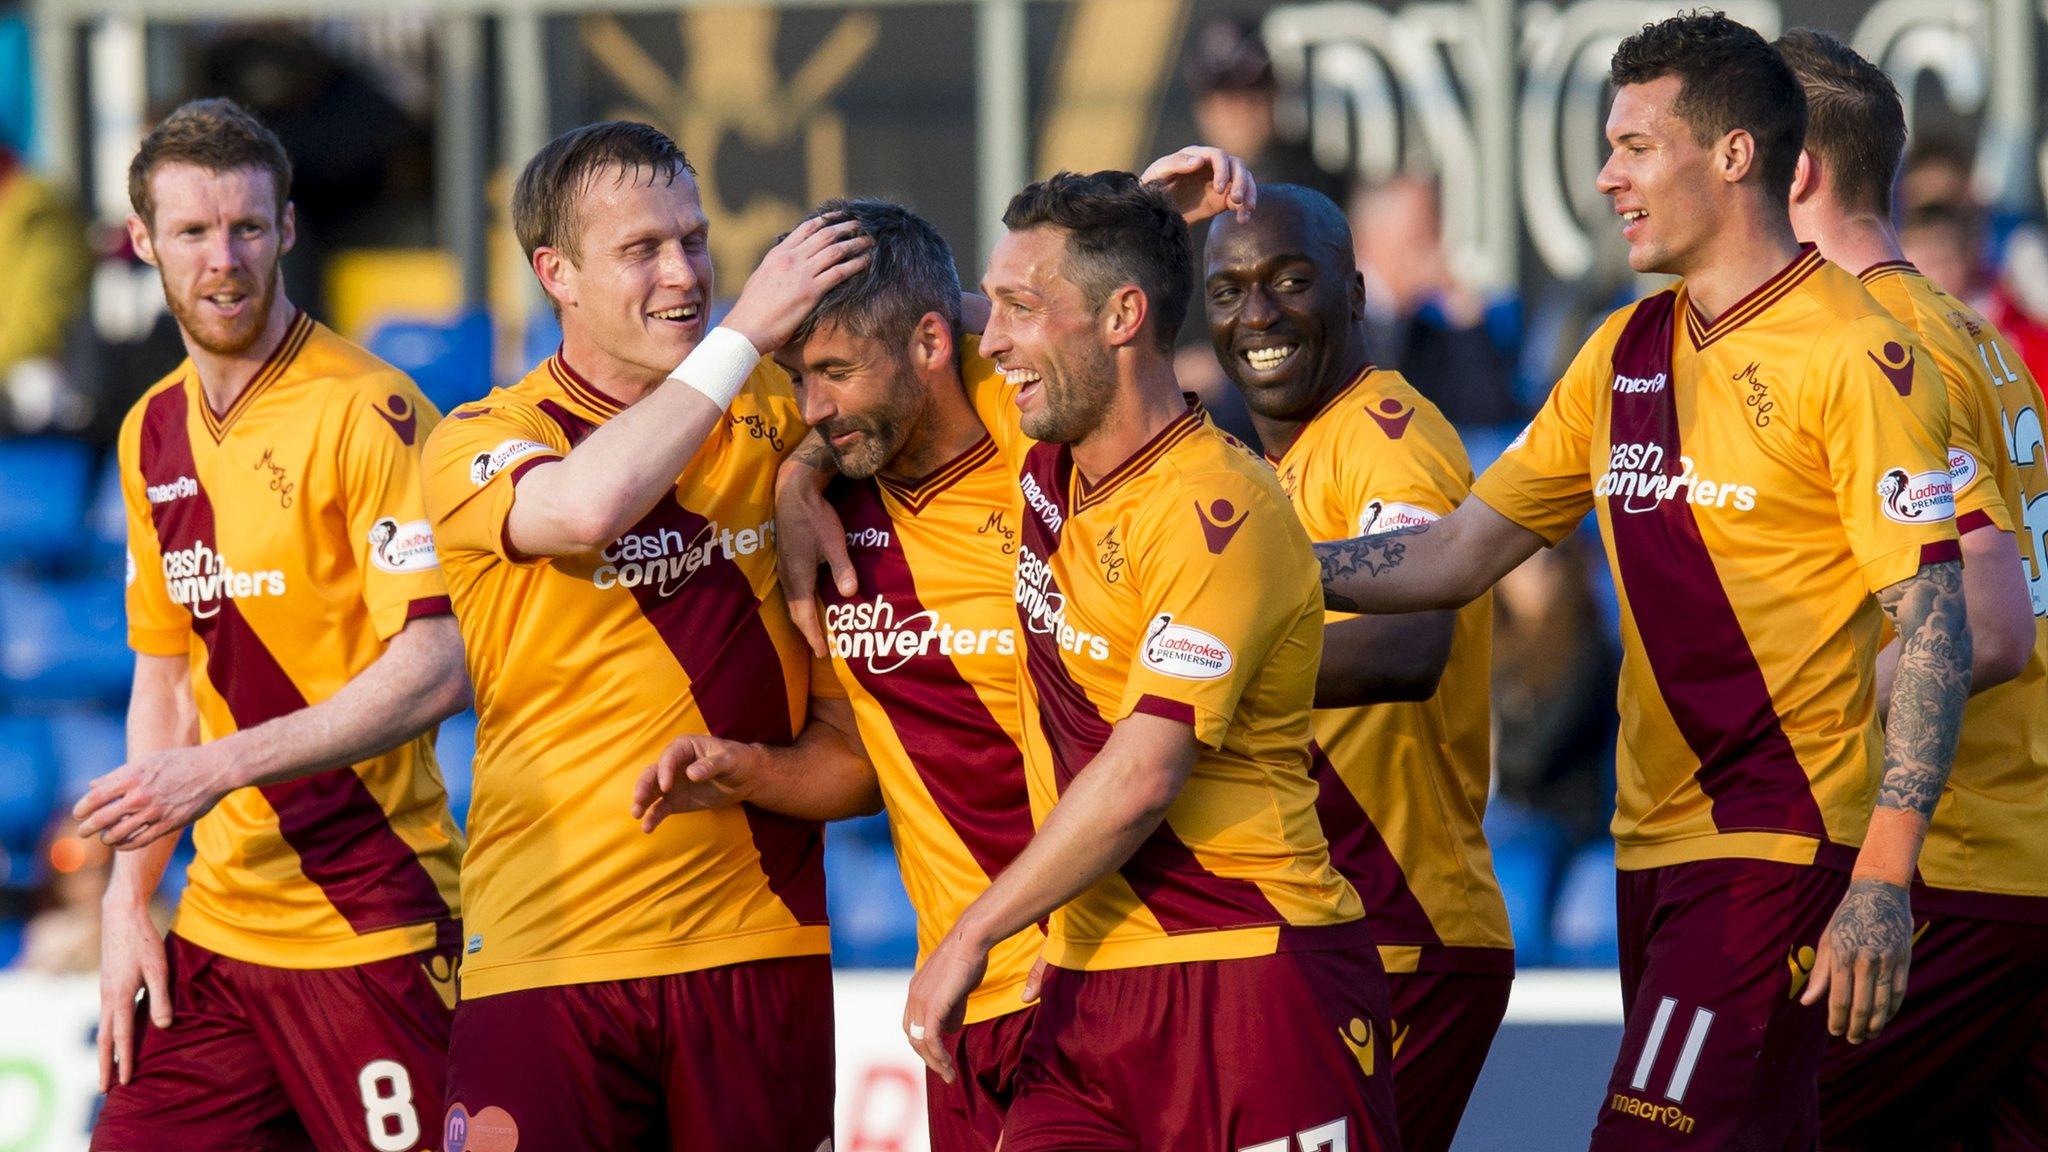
[(1280, 230)]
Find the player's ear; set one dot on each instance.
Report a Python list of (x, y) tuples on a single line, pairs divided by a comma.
[(1805, 177), (557, 275), (288, 228), (140, 239), (1123, 315), (1735, 156), (931, 343)]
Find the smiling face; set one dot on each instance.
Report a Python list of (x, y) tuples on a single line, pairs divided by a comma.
[(1283, 299), (1046, 338), (639, 288), (217, 240), (1660, 178), (862, 395)]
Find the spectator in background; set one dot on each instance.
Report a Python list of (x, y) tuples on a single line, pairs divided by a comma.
[(1229, 76), (1553, 692), (44, 270), (1420, 320)]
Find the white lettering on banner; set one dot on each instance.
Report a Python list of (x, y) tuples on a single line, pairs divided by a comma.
[(666, 560)]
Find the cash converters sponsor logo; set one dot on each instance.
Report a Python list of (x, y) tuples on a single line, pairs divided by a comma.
[(1036, 499), (1638, 385), (1918, 498), (1635, 474), (174, 489), (1045, 611), (1388, 515), (488, 464), (1669, 1115), (666, 560), (871, 633), (1179, 650), (402, 546), (868, 538), (199, 578), (1962, 470)]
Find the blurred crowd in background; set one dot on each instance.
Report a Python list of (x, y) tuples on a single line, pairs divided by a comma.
[(361, 140)]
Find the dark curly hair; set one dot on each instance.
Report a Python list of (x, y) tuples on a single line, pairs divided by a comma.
[(910, 274), (1729, 77), (1119, 232), (1855, 125)]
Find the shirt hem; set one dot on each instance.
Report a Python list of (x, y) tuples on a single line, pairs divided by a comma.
[(640, 963), (1465, 959), (1777, 847), (1212, 944), (306, 953), (994, 1001)]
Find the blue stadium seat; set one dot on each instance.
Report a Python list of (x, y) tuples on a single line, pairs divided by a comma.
[(106, 521), (64, 640), (1582, 926), (450, 362), (873, 925), (28, 797), (89, 745), (542, 336), (455, 748), (1526, 846), (12, 932), (43, 482)]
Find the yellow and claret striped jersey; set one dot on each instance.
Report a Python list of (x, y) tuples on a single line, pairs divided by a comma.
[(279, 546), (1986, 839), (928, 651), (1178, 585), (1403, 785), (587, 666), (1756, 478)]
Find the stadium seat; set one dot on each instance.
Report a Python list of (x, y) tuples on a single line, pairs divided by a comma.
[(455, 748), (43, 483), (106, 521), (450, 362), (542, 336), (1583, 933), (64, 640), (12, 934), (89, 745), (1526, 846), (873, 925), (28, 797)]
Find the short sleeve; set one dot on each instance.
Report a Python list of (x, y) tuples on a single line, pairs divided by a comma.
[(994, 400), (1406, 482), (156, 625), (1202, 638), (473, 461), (1880, 411), (1977, 460), (1544, 480), (386, 509)]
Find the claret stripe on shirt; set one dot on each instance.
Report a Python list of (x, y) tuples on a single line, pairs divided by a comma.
[(1164, 873), (978, 784), (1704, 667), (1360, 854), (339, 830), (713, 628)]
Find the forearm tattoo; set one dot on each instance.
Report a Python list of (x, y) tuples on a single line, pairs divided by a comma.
[(1932, 686), (1347, 564), (812, 453)]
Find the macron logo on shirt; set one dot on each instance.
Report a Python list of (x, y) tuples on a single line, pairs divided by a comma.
[(1640, 384), (175, 489)]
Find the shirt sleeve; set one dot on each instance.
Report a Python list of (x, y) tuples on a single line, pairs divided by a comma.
[(1544, 481), (994, 400), (156, 625), (1977, 460), (1879, 409), (473, 461), (1415, 480), (1203, 640), (382, 498)]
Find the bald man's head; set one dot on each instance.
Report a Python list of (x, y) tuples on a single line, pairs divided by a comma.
[(1285, 302)]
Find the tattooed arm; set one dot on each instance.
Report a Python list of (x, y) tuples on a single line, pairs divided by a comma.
[(1444, 564), (808, 533), (1867, 949)]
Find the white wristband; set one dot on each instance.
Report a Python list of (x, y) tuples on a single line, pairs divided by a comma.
[(718, 366)]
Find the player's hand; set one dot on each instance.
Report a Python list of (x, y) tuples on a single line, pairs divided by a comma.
[(808, 532), (794, 276), (937, 1006), (1203, 182), (154, 797), (695, 773), (1034, 983), (131, 961), (1863, 958)]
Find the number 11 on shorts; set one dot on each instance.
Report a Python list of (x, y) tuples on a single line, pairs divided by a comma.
[(1688, 1053)]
